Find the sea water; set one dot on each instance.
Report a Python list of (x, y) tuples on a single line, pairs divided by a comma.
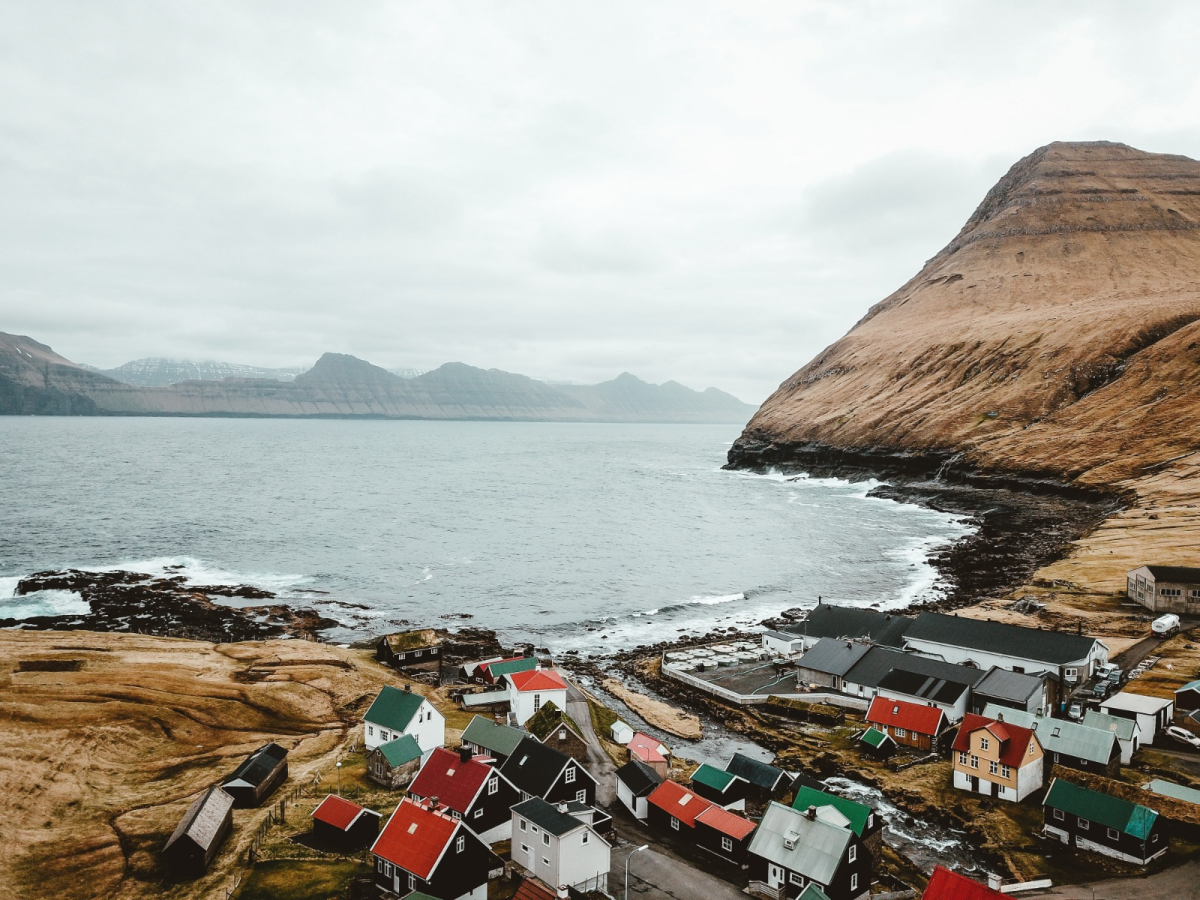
[(584, 536)]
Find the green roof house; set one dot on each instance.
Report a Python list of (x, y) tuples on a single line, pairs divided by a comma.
[(721, 787), (860, 818), (486, 737), (1102, 823), (876, 743), (395, 713)]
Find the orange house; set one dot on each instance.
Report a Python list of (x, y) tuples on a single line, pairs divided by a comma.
[(997, 759)]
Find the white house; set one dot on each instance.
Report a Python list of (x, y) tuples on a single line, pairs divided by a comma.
[(560, 845), (1151, 713), (782, 643), (620, 733), (395, 713), (530, 691), (636, 781), (981, 644)]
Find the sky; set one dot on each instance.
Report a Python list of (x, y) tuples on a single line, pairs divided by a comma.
[(705, 192)]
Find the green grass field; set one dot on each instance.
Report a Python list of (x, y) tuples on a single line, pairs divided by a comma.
[(313, 879)]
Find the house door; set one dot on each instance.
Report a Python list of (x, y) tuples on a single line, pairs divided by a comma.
[(974, 783), (774, 875)]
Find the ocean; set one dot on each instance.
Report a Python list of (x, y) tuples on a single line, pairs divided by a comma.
[(573, 536)]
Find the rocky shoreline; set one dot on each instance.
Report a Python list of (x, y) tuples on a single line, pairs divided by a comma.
[(1023, 521)]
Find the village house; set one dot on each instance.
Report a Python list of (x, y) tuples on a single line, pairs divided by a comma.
[(409, 648), (485, 736), (828, 661), (854, 623), (196, 839), (469, 788), (559, 844), (530, 690), (1066, 743), (636, 781), (996, 759), (651, 751), (908, 724), (981, 644), (620, 733), (541, 771), (764, 781), (395, 764), (469, 673), (491, 671), (877, 744), (910, 676), (1126, 731), (860, 818), (1152, 714), (792, 850), (1175, 791), (1014, 690), (395, 713), (782, 643), (722, 788), (423, 848), (1187, 698), (1165, 589), (258, 775), (341, 825), (1102, 823), (946, 885), (552, 726), (673, 808)]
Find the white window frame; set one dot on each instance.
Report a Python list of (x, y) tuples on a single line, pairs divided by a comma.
[(460, 843), (1084, 824), (493, 786), (796, 879), (569, 775), (901, 732), (984, 743), (974, 762), (412, 881), (587, 838), (853, 854), (962, 757), (726, 843), (993, 767), (854, 882), (479, 813), (546, 838), (522, 824), (1059, 815), (1113, 834), (674, 824), (1006, 771), (581, 796)]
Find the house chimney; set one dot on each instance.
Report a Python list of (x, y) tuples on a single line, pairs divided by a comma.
[(465, 754), (433, 803), (562, 807), (408, 689), (810, 813), (563, 893)]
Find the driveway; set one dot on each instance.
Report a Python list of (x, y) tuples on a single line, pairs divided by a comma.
[(1173, 884), (598, 763), (655, 875)]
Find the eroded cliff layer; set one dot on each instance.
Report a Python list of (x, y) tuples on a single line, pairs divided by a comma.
[(1057, 336)]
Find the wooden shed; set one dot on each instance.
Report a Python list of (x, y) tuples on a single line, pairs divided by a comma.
[(342, 825), (261, 772), (395, 764), (197, 838)]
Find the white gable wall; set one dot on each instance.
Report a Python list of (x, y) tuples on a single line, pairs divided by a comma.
[(428, 728), (985, 660), (524, 704)]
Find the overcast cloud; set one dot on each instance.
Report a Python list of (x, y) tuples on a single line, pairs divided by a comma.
[(701, 191)]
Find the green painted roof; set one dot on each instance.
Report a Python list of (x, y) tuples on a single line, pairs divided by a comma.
[(857, 813), (401, 750), (417, 895), (812, 892), (513, 665), (1174, 791), (711, 776), (502, 739), (874, 737), (547, 718), (393, 708), (1132, 819)]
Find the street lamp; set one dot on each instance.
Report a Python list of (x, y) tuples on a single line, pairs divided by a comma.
[(339, 777), (627, 859)]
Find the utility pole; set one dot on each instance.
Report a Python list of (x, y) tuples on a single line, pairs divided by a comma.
[(339, 777), (627, 859)]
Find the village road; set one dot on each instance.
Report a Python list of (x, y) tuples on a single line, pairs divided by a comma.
[(656, 874), (1173, 884), (599, 764)]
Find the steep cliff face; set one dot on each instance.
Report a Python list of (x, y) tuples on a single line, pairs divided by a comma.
[(1058, 333), (34, 380)]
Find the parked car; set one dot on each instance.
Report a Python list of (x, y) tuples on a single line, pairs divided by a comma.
[(1182, 736), (1101, 689), (1114, 676), (1075, 710)]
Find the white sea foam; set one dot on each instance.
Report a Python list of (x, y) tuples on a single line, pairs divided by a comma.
[(197, 571), (713, 601), (8, 586), (43, 603)]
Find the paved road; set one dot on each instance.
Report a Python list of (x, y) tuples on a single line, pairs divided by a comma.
[(657, 874), (1174, 884), (599, 764)]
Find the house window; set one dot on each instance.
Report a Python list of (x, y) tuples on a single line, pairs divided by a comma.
[(1006, 771), (993, 767), (1113, 834), (1071, 673), (854, 882), (984, 743), (562, 735), (674, 824), (522, 824), (456, 813), (371, 730), (900, 732), (535, 829), (1058, 814), (525, 848), (962, 757), (974, 762), (1020, 670), (796, 879), (387, 868), (726, 843), (537, 702), (587, 838), (581, 796), (493, 786), (546, 838), (570, 776), (416, 653), (479, 813), (1084, 824), (546, 861), (412, 881), (853, 853), (460, 844)]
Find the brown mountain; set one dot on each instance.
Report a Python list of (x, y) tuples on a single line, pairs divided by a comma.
[(34, 380), (1057, 336)]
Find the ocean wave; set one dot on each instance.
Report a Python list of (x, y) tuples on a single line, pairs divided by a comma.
[(198, 571), (42, 603), (698, 600)]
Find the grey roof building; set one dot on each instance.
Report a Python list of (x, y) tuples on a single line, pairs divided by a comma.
[(879, 661), (795, 848), (1127, 731), (765, 776), (195, 841), (828, 660), (1066, 743), (1014, 690), (855, 622), (483, 735)]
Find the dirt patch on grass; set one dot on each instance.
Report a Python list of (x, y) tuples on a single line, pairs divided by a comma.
[(659, 714), (99, 762)]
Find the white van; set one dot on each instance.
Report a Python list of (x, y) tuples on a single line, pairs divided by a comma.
[(1165, 625)]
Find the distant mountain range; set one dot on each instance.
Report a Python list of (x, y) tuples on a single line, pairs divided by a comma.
[(34, 380)]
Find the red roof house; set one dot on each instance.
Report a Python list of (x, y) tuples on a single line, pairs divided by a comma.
[(471, 788), (651, 751), (947, 885), (339, 823), (908, 724), (536, 680), (996, 759), (721, 832), (423, 848), (674, 801), (532, 689)]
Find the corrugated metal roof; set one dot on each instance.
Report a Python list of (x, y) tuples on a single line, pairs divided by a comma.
[(1060, 735), (829, 621), (879, 661), (393, 708), (1052, 647), (833, 656), (858, 814), (711, 776), (1123, 728), (755, 771), (1005, 685), (1174, 791), (1132, 819), (817, 847), (401, 751), (1136, 703), (202, 822)]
